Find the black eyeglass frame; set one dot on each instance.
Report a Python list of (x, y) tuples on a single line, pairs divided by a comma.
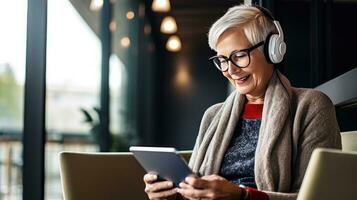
[(248, 50)]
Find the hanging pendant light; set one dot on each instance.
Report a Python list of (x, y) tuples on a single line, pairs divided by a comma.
[(168, 25), (173, 44), (161, 5), (125, 42), (96, 5), (130, 15), (113, 26)]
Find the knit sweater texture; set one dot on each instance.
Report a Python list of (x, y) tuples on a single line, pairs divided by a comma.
[(238, 162)]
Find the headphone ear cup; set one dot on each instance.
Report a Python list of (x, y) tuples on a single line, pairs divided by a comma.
[(277, 48), (267, 48)]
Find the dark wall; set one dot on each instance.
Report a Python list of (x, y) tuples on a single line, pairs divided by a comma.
[(344, 56), (321, 32), (344, 37), (295, 21), (346, 116), (181, 106)]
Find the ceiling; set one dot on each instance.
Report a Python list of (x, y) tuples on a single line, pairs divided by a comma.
[(194, 18)]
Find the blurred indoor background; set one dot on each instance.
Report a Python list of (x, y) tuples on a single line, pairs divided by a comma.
[(101, 75)]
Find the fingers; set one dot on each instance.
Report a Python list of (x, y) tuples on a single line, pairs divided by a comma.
[(155, 187), (188, 192), (193, 188), (150, 178), (184, 185), (162, 194), (201, 188), (158, 190), (212, 177), (197, 182)]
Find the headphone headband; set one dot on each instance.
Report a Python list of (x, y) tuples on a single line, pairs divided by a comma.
[(265, 11), (274, 47)]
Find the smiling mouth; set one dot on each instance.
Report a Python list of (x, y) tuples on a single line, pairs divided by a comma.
[(243, 78)]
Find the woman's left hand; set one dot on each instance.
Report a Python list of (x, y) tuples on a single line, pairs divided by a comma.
[(209, 188)]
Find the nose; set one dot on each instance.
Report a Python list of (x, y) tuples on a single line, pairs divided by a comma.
[(232, 69)]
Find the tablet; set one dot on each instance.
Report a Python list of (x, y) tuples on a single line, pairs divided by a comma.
[(163, 161)]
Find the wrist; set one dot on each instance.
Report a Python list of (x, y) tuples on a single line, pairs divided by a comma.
[(244, 194), (253, 193)]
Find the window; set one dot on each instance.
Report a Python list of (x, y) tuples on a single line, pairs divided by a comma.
[(12, 77), (73, 84)]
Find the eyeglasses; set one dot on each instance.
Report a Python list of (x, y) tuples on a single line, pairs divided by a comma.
[(240, 58)]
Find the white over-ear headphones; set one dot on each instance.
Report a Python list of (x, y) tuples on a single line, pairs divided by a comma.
[(274, 45)]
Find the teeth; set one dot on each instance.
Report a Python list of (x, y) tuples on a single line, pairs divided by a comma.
[(243, 79)]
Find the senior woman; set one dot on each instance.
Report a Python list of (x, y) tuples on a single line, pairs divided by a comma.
[(258, 142)]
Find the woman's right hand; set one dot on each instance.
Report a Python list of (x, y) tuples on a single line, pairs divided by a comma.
[(158, 190)]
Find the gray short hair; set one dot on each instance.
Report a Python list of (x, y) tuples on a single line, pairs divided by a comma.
[(255, 24)]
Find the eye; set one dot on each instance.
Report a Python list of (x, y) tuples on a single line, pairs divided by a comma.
[(239, 55)]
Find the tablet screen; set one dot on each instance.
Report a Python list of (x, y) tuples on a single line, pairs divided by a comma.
[(163, 161)]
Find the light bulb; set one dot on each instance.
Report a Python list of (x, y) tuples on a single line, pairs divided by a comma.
[(96, 5), (125, 42), (161, 6), (112, 26), (168, 25), (130, 14), (173, 44)]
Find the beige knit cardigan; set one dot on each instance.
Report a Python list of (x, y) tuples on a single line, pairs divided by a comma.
[(294, 122)]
